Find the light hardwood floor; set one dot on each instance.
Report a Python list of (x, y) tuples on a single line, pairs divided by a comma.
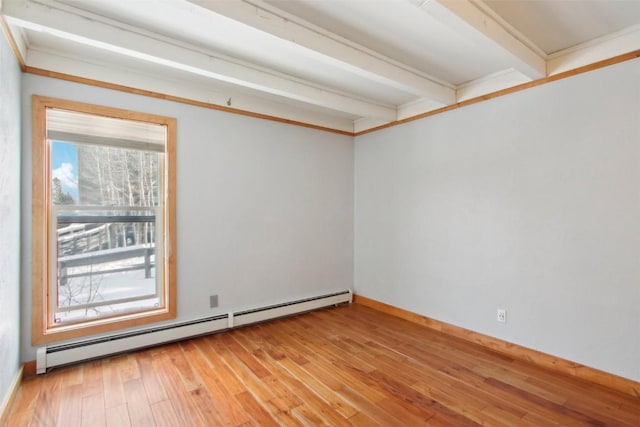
[(349, 365)]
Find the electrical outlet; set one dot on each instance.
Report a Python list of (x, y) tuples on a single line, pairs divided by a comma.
[(502, 315), (213, 301)]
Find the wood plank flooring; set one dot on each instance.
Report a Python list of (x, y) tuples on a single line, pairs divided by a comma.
[(344, 366)]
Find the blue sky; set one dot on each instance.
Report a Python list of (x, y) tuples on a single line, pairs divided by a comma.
[(64, 165)]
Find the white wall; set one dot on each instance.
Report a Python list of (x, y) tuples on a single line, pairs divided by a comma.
[(264, 209), (9, 218), (528, 202)]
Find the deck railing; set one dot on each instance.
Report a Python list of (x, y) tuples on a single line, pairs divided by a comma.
[(104, 257)]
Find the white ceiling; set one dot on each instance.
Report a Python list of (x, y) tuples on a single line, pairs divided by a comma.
[(343, 64)]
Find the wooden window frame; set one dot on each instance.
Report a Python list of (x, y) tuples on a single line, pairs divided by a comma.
[(41, 330)]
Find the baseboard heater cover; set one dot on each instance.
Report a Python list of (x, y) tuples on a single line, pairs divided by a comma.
[(64, 354), (261, 314)]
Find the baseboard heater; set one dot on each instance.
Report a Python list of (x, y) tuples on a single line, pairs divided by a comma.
[(64, 354)]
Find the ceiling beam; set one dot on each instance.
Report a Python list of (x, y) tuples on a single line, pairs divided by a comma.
[(330, 47), (468, 18), (186, 91), (609, 46), (153, 48)]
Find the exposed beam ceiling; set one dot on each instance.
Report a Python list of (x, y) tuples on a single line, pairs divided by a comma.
[(344, 64), (330, 47), (152, 48)]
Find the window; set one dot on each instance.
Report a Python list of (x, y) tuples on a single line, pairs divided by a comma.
[(103, 231)]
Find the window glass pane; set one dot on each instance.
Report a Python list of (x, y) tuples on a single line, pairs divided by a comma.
[(106, 263), (104, 176), (105, 210)]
